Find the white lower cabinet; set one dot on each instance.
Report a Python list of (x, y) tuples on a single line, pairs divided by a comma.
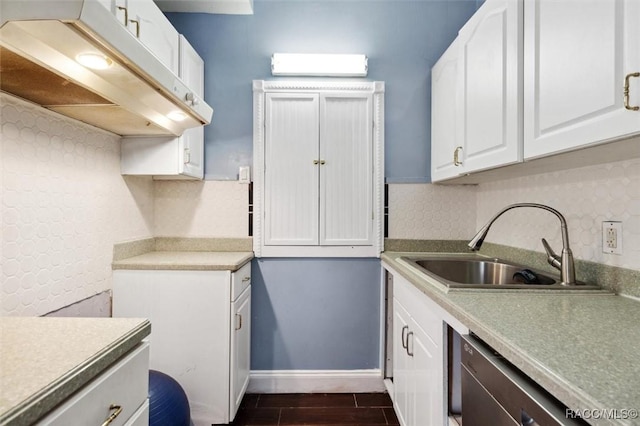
[(240, 350), (121, 391), (419, 356), (418, 371), (200, 332)]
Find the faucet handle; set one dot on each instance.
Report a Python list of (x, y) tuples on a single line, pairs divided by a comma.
[(552, 258)]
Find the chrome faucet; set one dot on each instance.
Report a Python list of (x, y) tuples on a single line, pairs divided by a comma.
[(564, 262)]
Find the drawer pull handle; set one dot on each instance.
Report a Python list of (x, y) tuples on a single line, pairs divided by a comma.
[(126, 14), (626, 91), (137, 24), (112, 417), (239, 321), (245, 279), (405, 342)]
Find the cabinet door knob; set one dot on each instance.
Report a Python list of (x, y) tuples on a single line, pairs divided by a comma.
[(456, 156), (191, 99), (245, 279), (187, 156), (112, 417), (626, 91)]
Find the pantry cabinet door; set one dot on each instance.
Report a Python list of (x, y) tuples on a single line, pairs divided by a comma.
[(490, 86), (346, 169), (290, 169), (577, 54)]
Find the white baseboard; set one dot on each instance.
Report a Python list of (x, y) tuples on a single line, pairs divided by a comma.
[(315, 381)]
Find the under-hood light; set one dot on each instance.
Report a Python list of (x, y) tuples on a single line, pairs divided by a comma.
[(94, 61), (177, 115)]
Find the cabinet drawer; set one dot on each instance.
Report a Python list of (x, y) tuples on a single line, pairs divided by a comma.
[(141, 416), (126, 384), (240, 280)]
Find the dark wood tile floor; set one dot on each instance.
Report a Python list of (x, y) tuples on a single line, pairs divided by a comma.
[(321, 409)]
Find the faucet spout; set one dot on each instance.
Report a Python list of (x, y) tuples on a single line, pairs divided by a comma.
[(564, 262)]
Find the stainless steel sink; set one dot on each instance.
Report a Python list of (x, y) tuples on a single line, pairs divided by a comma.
[(481, 272)]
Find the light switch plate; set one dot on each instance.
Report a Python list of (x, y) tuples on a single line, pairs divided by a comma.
[(244, 174)]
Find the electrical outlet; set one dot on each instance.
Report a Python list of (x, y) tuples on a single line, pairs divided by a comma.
[(612, 237)]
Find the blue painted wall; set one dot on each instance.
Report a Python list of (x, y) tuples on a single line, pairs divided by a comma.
[(322, 313), (402, 39), (315, 314)]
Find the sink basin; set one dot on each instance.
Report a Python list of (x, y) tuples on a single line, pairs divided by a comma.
[(482, 272)]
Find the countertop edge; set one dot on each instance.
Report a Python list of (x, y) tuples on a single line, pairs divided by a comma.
[(49, 397), (570, 395), (132, 264)]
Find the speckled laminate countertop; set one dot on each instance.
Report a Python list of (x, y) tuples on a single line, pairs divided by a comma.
[(582, 347), (45, 360), (186, 260)]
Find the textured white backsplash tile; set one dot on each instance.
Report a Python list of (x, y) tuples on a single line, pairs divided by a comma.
[(201, 209), (64, 205), (431, 212), (586, 197)]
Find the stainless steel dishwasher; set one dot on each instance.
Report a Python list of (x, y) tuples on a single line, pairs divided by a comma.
[(496, 393)]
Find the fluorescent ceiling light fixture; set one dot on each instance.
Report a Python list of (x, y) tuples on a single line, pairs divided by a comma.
[(95, 61), (330, 65)]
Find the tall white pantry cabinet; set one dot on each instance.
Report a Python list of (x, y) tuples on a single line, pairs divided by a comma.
[(318, 161)]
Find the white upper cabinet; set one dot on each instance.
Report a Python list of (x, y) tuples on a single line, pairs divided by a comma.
[(318, 166), (149, 25), (490, 86), (444, 116), (537, 78), (171, 157), (476, 105), (191, 67), (578, 54)]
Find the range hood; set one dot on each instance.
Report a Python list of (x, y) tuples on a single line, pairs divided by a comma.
[(136, 95)]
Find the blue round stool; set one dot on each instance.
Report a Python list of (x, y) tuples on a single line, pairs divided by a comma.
[(168, 404)]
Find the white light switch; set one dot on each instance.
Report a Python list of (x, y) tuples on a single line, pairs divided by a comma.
[(244, 174)]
